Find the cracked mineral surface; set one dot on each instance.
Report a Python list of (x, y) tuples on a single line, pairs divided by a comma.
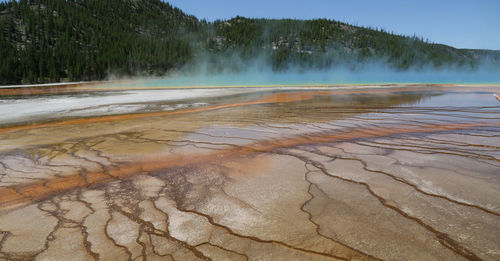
[(351, 173)]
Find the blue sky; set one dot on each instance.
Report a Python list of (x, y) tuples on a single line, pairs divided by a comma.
[(459, 23)]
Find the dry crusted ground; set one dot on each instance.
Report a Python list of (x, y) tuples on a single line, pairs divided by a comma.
[(288, 176)]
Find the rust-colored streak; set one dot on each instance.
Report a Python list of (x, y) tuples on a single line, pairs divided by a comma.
[(273, 98), (101, 87), (33, 91), (18, 195)]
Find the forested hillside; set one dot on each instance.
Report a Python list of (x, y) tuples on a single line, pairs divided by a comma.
[(70, 40), (49, 40)]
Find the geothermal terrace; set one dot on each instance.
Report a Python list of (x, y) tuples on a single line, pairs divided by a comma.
[(284, 173)]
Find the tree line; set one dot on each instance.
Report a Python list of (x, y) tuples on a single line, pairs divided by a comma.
[(73, 40)]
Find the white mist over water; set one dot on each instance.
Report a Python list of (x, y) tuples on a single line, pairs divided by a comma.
[(334, 76), (259, 73)]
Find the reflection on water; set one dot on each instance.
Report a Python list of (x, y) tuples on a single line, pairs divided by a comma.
[(454, 99), (237, 174), (53, 106)]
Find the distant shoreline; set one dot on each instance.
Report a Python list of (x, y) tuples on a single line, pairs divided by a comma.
[(57, 84), (136, 84)]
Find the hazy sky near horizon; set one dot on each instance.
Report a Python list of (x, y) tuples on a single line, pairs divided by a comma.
[(459, 23)]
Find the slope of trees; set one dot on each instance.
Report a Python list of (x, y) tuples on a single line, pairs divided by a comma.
[(54, 40), (48, 40), (323, 43)]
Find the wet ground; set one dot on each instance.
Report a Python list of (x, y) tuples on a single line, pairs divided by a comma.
[(362, 173)]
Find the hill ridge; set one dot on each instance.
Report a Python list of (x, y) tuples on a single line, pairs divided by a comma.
[(58, 40)]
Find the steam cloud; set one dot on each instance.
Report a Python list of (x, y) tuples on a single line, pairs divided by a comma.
[(231, 69)]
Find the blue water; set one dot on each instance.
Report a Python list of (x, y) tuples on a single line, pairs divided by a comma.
[(322, 77)]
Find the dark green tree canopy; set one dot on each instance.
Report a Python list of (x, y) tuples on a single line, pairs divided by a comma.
[(54, 40)]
